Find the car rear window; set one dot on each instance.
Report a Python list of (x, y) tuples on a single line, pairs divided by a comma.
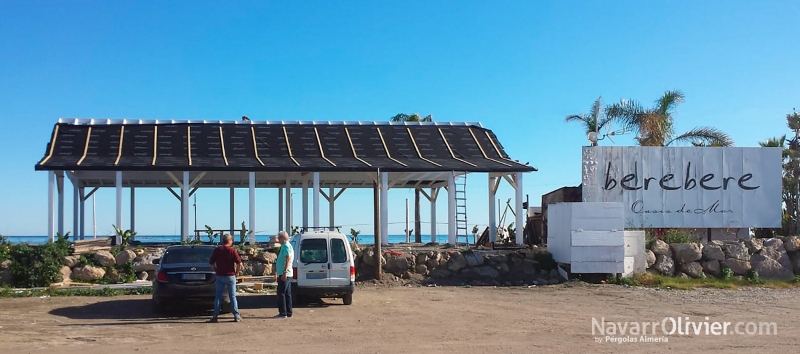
[(338, 251), (314, 250), (188, 255)]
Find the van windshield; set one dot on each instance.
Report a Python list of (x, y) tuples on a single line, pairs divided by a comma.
[(314, 250)]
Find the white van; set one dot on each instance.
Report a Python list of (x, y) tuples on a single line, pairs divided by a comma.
[(324, 266)]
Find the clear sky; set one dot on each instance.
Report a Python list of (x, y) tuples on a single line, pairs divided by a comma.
[(516, 66)]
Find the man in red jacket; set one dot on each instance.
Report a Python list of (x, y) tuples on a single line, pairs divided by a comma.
[(226, 263)]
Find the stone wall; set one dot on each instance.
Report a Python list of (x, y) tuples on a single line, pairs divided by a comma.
[(451, 267), (774, 258)]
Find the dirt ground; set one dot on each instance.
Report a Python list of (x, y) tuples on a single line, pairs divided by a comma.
[(551, 319)]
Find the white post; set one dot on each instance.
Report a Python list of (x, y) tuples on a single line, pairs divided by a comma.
[(76, 205), (331, 202), (288, 205), (384, 208), (133, 209), (94, 217), (51, 205), (185, 206), (305, 203), (519, 225), (60, 190), (233, 209), (251, 235), (492, 216), (408, 234), (451, 208), (433, 214), (82, 220), (280, 210), (119, 203), (315, 198)]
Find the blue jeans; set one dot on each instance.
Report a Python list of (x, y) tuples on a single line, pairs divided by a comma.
[(222, 283), (284, 297)]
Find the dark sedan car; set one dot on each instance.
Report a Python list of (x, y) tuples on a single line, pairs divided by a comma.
[(183, 277)]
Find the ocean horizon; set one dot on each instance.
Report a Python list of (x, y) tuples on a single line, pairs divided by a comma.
[(362, 239)]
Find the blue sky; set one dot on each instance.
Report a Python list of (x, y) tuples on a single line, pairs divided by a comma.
[(516, 66)]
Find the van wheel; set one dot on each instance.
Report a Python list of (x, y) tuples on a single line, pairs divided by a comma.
[(347, 299)]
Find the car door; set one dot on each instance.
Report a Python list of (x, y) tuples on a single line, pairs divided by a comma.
[(312, 266), (340, 263)]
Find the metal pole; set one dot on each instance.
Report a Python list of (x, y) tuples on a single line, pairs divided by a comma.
[(433, 214), (518, 223), (451, 208), (94, 217), (51, 205), (195, 212), (119, 206), (288, 204), (60, 189), (385, 208), (305, 203), (280, 210), (492, 215), (185, 207), (233, 227), (376, 222), (82, 217), (408, 234), (133, 210), (76, 205), (330, 208), (251, 235), (315, 199)]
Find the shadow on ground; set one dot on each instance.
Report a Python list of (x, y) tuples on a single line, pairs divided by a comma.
[(141, 311)]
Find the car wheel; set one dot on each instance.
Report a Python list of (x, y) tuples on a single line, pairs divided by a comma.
[(159, 308), (347, 299), (226, 307)]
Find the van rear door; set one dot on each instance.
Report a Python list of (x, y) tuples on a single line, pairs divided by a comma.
[(340, 263), (312, 267)]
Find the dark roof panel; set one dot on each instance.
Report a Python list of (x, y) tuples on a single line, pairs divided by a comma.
[(199, 146)]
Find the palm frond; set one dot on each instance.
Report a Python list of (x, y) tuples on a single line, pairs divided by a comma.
[(628, 113), (773, 142), (706, 135), (576, 118), (667, 103), (400, 117)]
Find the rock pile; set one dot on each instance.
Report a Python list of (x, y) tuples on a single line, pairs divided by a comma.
[(774, 258), (462, 268)]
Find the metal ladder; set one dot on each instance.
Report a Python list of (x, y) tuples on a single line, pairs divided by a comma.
[(462, 232)]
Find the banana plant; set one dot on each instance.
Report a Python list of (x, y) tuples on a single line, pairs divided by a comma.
[(126, 236)]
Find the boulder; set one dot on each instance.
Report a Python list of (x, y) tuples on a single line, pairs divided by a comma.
[(440, 273), (487, 272), (144, 262), (257, 268), (474, 259), (650, 258), (711, 267), (112, 276), (433, 260), (422, 258), (124, 257), (774, 249), (792, 244), (421, 269), (456, 262), (267, 257), (554, 273), (70, 261), (540, 281), (553, 281), (694, 269), (768, 268), (736, 250), (138, 251), (685, 253), (65, 274), (6, 277), (105, 258), (664, 265), (529, 266), (661, 247), (754, 245), (397, 264), (738, 266), (682, 275), (712, 252), (369, 257), (141, 276), (89, 273), (502, 268)]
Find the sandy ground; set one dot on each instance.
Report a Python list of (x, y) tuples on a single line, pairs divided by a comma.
[(554, 319)]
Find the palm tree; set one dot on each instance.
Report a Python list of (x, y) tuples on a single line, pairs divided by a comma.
[(654, 126), (402, 117), (594, 122)]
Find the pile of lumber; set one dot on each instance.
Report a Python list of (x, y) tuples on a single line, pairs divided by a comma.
[(91, 246)]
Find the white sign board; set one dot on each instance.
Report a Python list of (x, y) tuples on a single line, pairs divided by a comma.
[(687, 187)]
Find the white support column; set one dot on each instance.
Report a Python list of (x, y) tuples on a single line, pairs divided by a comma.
[(280, 210), (315, 198), (233, 209), (76, 204), (305, 203), (384, 208), (184, 206), (451, 208), (288, 211), (251, 235), (434, 195), (331, 203), (519, 225), (60, 189), (51, 205), (133, 209), (82, 220), (119, 203), (492, 216)]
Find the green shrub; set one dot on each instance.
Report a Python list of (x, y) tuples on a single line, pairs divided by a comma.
[(38, 266), (545, 260), (5, 249), (753, 277), (677, 236), (727, 273)]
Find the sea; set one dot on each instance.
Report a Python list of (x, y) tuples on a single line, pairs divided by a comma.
[(160, 239)]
